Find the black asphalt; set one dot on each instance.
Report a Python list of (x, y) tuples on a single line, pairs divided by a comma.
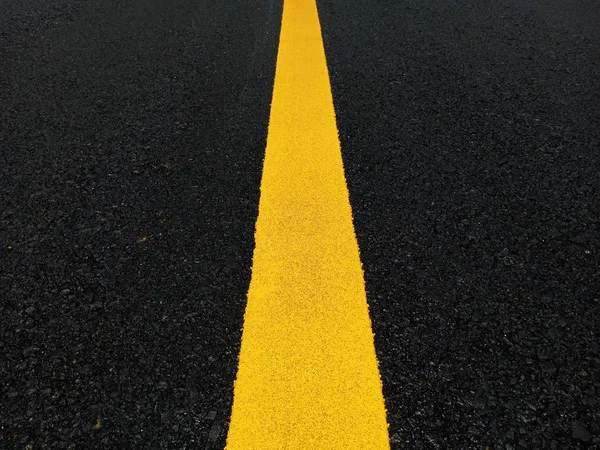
[(131, 142), (471, 138), (132, 136)]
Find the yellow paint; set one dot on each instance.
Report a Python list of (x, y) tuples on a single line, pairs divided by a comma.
[(308, 375)]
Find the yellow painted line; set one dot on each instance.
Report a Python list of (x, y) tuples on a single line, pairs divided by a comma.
[(308, 375)]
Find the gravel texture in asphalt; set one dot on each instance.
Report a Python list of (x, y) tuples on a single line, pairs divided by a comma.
[(131, 142), (471, 138)]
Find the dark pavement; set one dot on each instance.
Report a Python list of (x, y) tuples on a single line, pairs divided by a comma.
[(131, 142), (471, 138), (132, 137)]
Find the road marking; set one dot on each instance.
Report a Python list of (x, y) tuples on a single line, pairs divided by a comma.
[(308, 375)]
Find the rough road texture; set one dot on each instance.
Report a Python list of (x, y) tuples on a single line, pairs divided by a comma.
[(471, 137), (131, 143)]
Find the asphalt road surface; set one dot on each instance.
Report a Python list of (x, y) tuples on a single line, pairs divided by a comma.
[(132, 138)]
